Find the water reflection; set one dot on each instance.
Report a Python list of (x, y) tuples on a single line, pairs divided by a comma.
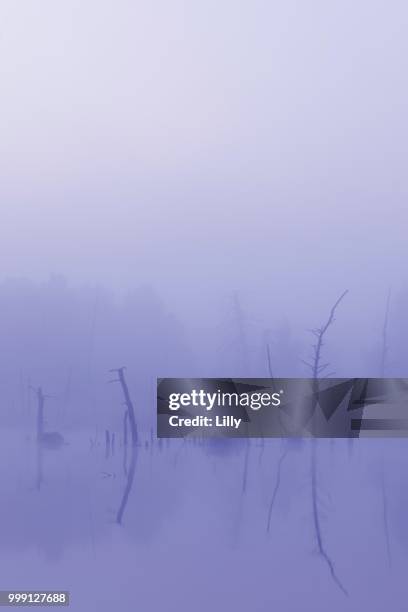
[(129, 484)]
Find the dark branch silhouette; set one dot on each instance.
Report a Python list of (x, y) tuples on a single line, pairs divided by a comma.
[(316, 366), (128, 402), (46, 440), (129, 417), (316, 522), (128, 486), (50, 440), (317, 369)]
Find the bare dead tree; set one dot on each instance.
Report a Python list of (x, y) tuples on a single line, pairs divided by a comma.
[(128, 402), (51, 440), (315, 365), (131, 420), (319, 370)]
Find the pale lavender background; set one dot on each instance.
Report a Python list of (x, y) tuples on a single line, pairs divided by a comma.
[(180, 183)]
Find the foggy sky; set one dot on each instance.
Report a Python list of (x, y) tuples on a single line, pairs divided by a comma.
[(175, 152), (205, 147)]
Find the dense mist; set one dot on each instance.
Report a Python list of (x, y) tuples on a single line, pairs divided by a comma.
[(186, 189)]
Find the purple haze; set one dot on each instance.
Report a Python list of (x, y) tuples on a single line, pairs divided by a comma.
[(183, 184)]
